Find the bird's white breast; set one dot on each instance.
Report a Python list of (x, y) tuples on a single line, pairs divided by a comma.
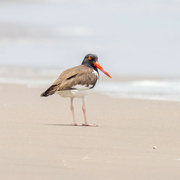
[(95, 72), (78, 90), (74, 93), (82, 87)]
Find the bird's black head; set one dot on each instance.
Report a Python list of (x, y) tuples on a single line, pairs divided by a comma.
[(91, 60)]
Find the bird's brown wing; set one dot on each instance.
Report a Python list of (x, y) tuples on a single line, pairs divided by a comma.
[(79, 75)]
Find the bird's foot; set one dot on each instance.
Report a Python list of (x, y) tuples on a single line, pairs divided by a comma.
[(74, 124), (90, 125)]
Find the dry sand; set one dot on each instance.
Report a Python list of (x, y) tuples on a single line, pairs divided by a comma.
[(38, 143)]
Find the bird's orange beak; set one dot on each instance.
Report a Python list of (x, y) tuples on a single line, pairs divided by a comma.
[(96, 64)]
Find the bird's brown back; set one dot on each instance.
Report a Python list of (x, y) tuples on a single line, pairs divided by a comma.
[(81, 74)]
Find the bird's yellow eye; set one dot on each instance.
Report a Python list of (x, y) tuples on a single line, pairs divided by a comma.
[(89, 58)]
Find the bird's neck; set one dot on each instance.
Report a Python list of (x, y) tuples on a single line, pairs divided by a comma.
[(90, 66)]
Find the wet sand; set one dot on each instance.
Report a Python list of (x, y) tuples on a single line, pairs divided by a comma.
[(37, 141)]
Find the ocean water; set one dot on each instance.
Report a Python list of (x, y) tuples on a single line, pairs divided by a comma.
[(146, 88)]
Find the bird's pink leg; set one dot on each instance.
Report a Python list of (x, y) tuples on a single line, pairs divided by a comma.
[(85, 117), (72, 110), (84, 112)]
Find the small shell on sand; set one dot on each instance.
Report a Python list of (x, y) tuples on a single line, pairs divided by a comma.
[(154, 147)]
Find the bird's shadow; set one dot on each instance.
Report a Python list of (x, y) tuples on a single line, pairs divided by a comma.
[(80, 125), (58, 125)]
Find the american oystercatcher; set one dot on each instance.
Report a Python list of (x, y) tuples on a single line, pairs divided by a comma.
[(77, 82)]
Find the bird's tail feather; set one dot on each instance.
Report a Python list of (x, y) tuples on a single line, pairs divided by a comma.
[(50, 91)]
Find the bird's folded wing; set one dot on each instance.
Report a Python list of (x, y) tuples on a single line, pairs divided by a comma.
[(79, 77)]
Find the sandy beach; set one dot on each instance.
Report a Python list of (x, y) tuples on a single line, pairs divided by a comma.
[(38, 142), (137, 111)]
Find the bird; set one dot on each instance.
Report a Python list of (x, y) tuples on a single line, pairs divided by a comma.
[(77, 82)]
